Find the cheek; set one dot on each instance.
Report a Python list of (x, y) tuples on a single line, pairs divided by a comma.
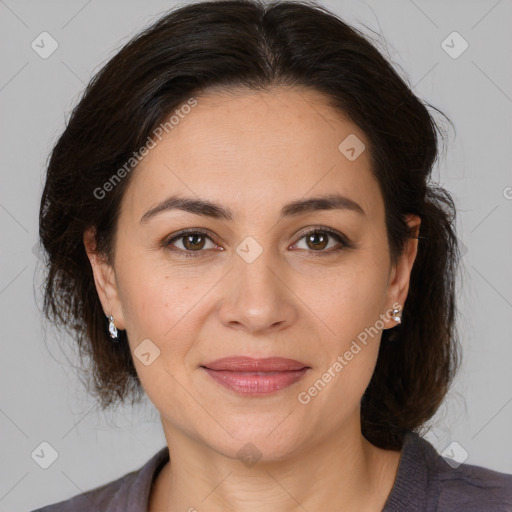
[(155, 316), (349, 305), (352, 298), (151, 303), (164, 307), (144, 309)]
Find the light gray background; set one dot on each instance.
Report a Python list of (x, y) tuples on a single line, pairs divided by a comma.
[(41, 397)]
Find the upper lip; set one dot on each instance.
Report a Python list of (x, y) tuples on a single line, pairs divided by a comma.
[(250, 364)]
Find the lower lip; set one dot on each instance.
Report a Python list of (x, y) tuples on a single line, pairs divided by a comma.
[(252, 383)]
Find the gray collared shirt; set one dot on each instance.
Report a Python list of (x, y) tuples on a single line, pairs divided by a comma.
[(425, 482)]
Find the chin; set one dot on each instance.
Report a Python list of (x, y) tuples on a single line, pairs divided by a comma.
[(257, 442)]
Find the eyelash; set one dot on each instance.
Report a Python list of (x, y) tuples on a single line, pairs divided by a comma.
[(341, 239)]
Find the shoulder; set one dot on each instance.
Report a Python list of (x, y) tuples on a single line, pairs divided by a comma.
[(427, 481), (99, 498), (128, 493), (472, 487)]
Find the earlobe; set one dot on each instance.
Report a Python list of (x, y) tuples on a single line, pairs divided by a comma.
[(104, 279)]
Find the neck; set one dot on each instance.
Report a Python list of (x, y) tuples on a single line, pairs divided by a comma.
[(343, 472)]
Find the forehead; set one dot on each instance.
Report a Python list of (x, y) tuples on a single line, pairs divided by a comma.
[(250, 149)]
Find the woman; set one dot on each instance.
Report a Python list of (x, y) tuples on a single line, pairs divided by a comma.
[(240, 223)]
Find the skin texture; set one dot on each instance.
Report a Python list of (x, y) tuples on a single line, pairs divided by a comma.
[(253, 152)]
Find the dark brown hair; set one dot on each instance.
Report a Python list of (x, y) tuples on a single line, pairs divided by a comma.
[(239, 43)]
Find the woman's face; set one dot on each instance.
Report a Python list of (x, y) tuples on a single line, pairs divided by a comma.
[(254, 283)]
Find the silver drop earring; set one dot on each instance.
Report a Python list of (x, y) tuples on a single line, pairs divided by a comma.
[(395, 316), (112, 329)]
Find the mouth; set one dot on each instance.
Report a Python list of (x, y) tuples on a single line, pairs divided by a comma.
[(251, 364), (249, 376)]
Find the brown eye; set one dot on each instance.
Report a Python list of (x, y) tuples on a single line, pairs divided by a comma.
[(193, 242), (318, 240), (189, 242)]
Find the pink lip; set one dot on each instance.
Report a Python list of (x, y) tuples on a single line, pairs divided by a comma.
[(249, 376), (250, 364)]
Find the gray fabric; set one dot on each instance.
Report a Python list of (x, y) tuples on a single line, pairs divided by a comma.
[(424, 483)]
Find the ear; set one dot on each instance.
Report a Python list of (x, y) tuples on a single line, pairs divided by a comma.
[(401, 272), (104, 279)]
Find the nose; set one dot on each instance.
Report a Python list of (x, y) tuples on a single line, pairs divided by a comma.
[(257, 299)]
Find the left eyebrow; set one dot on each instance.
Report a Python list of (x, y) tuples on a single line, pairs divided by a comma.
[(328, 202), (206, 208)]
